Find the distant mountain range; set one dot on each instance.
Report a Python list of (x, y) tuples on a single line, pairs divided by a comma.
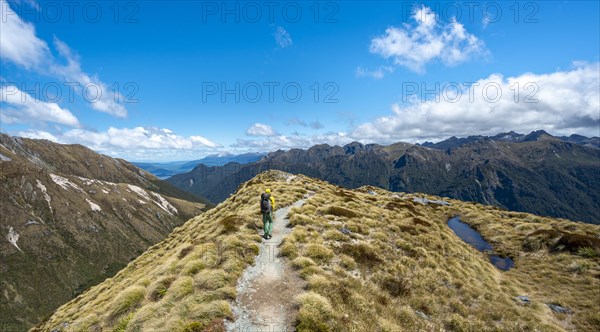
[(536, 173), (511, 136), (165, 170), (70, 218)]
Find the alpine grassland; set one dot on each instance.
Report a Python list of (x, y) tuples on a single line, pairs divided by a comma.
[(372, 260)]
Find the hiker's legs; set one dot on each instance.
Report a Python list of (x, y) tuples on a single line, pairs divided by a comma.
[(265, 223), (269, 225)]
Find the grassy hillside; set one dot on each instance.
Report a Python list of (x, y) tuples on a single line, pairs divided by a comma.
[(372, 260)]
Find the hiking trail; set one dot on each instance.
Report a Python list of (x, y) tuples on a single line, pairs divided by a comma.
[(266, 290)]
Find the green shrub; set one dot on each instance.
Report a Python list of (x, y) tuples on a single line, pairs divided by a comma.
[(123, 323), (587, 252)]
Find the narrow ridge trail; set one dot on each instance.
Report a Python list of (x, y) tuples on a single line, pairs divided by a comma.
[(266, 290)]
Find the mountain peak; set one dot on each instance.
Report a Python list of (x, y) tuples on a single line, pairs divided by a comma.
[(538, 135)]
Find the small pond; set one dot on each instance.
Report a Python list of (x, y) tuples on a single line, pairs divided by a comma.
[(473, 238)]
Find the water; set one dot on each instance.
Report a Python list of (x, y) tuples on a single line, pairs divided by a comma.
[(473, 238)]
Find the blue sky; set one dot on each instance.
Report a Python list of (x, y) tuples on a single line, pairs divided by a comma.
[(385, 71)]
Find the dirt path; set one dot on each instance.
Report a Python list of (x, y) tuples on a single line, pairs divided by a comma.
[(266, 289)]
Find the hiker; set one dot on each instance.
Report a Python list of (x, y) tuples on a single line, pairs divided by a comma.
[(267, 205)]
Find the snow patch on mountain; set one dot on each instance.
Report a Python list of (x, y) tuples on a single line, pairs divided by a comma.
[(95, 207), (139, 191), (44, 192), (4, 158), (13, 237), (426, 201), (164, 204), (65, 183)]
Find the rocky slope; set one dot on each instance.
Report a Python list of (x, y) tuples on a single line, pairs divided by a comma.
[(70, 218), (371, 260), (534, 173)]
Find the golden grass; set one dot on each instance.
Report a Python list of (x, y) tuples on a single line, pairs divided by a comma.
[(186, 281), (372, 262), (401, 268)]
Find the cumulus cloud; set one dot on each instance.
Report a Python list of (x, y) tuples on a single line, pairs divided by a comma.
[(428, 39), (38, 134), (562, 103), (124, 139), (23, 108), (259, 129), (282, 37), (291, 141), (20, 45)]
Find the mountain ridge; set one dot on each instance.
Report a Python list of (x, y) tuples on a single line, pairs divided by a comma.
[(387, 260), (539, 174), (71, 218)]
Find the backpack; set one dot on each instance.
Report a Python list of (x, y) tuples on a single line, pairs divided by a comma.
[(265, 202)]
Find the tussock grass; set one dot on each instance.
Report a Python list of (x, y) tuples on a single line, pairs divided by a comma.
[(340, 212), (160, 288), (127, 300), (315, 312), (372, 261), (187, 280), (397, 266)]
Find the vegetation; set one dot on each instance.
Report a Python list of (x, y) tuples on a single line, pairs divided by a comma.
[(390, 265), (80, 216)]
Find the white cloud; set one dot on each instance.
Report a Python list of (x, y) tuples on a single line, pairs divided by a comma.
[(101, 98), (567, 102), (20, 45), (291, 142), (127, 139), (259, 129), (377, 74), (18, 42), (204, 141), (23, 108), (415, 45), (282, 37), (38, 134)]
